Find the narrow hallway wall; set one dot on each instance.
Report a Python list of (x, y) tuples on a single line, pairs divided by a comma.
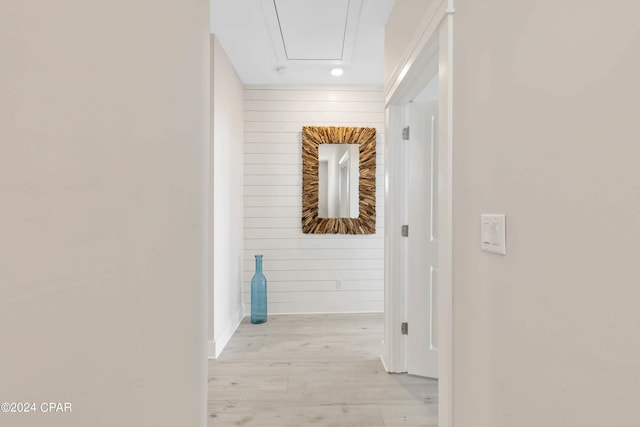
[(226, 238), (545, 131), (103, 189), (302, 269)]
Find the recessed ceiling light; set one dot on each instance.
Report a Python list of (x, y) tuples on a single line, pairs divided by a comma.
[(336, 71)]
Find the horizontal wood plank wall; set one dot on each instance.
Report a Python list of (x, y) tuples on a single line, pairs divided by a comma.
[(302, 269)]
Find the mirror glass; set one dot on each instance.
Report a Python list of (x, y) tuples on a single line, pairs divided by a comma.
[(338, 178)]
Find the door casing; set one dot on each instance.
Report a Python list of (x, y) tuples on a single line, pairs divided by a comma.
[(430, 54)]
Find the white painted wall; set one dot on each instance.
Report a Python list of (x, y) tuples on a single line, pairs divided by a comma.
[(333, 201), (354, 180), (544, 131), (400, 29), (302, 269), (103, 183), (227, 137), (323, 190)]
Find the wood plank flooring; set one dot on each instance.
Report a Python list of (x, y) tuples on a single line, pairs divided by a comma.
[(314, 370)]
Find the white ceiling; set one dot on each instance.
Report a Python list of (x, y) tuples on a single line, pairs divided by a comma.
[(281, 42)]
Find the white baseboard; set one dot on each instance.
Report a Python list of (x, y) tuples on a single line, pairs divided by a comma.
[(384, 355), (215, 347), (211, 349), (247, 310), (384, 363)]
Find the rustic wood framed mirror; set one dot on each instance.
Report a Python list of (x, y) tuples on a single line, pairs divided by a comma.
[(338, 198)]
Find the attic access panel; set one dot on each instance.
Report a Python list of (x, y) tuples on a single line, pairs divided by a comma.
[(313, 31)]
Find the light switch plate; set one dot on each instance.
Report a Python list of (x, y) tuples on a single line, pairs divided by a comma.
[(493, 233)]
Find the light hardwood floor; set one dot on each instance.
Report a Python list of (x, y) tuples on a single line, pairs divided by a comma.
[(314, 370)]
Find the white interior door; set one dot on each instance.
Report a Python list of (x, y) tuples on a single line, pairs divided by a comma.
[(422, 247)]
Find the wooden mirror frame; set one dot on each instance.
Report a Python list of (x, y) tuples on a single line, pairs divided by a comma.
[(312, 137)]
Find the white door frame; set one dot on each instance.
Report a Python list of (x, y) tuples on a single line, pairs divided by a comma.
[(429, 52)]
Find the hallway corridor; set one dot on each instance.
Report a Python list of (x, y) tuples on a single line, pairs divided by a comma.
[(301, 370)]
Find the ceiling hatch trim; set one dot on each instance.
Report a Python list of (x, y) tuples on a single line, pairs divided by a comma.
[(328, 26)]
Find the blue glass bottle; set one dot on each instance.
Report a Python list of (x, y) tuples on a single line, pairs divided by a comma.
[(258, 294)]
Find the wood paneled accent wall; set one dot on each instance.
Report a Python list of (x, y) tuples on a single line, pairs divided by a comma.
[(307, 273)]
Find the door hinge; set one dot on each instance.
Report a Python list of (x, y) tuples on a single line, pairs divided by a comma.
[(404, 328), (405, 133), (405, 231)]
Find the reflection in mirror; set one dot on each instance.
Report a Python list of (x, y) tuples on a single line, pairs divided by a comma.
[(338, 176)]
